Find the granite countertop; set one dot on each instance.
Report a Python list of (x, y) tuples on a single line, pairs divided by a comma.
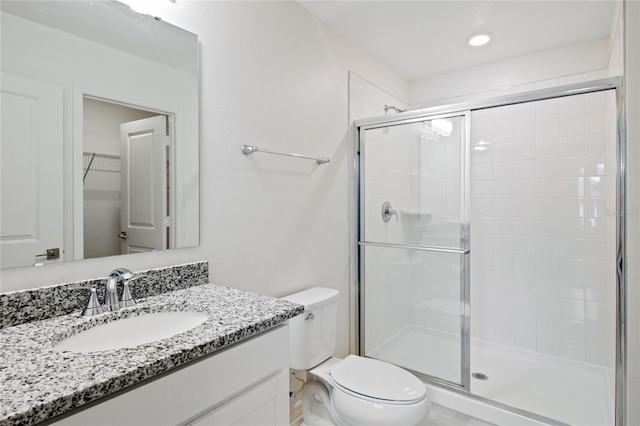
[(38, 382)]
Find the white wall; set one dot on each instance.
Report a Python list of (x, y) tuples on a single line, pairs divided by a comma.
[(274, 76)]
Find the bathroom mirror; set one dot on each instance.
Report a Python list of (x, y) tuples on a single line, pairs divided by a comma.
[(99, 132)]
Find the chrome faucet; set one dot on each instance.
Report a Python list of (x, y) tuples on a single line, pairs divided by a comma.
[(111, 300)]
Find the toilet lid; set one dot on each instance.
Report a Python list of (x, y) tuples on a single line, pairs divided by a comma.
[(377, 379)]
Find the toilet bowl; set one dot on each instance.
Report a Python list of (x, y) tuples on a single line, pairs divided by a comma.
[(364, 391), (350, 391)]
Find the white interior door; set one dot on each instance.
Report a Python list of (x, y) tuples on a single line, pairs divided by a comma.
[(31, 173), (144, 182)]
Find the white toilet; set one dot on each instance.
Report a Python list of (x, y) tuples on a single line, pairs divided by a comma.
[(352, 391)]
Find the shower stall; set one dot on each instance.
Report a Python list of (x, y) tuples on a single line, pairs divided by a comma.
[(489, 247)]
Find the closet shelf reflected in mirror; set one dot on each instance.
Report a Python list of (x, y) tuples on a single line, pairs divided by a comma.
[(97, 162)]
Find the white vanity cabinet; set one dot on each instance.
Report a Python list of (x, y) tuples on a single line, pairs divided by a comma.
[(245, 384)]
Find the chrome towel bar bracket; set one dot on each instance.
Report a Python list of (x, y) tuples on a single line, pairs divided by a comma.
[(250, 149)]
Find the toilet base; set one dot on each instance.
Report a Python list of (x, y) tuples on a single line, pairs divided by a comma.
[(320, 399)]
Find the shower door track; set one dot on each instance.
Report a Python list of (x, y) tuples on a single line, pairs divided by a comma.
[(611, 83)]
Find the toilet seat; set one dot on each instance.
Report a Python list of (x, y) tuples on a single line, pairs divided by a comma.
[(377, 381)]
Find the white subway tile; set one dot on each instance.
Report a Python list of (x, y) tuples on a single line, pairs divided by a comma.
[(524, 207), (547, 109), (572, 309), (571, 105), (573, 330), (503, 115), (601, 313), (547, 285), (570, 227), (571, 248), (573, 349), (596, 145), (547, 168), (482, 189), (503, 244), (599, 292), (597, 166), (503, 134), (547, 207), (524, 150), (503, 151), (600, 334), (548, 148), (547, 187), (548, 128), (548, 306), (596, 250), (524, 169), (524, 264), (482, 207), (503, 262), (547, 265), (570, 187), (600, 354), (595, 102), (572, 125), (525, 303), (524, 245), (572, 146), (503, 188), (503, 170), (525, 340), (482, 171), (572, 288), (572, 268), (524, 131), (548, 325), (524, 112), (526, 283), (482, 117), (596, 122), (546, 246), (570, 166), (503, 226), (571, 207), (482, 154), (549, 345), (503, 207)]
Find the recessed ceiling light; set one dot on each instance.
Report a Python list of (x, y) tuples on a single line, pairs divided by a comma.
[(479, 40)]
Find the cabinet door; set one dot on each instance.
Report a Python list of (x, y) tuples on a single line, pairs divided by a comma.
[(258, 406)]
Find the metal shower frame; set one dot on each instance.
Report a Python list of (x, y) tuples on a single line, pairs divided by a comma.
[(464, 109)]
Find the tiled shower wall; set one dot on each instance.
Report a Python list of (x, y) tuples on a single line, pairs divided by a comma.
[(543, 226)]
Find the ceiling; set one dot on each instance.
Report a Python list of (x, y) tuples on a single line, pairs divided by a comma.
[(423, 38)]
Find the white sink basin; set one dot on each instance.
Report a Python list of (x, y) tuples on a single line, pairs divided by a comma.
[(132, 331)]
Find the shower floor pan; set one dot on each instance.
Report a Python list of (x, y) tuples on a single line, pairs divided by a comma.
[(569, 391)]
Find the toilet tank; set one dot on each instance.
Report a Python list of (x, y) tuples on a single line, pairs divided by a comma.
[(312, 334)]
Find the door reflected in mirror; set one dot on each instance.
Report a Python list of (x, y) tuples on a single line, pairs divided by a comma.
[(99, 132), (126, 179)]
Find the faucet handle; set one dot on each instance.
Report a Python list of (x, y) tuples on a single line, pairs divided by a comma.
[(126, 299), (92, 307)]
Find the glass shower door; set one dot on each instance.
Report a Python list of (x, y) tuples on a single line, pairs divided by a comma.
[(414, 245)]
